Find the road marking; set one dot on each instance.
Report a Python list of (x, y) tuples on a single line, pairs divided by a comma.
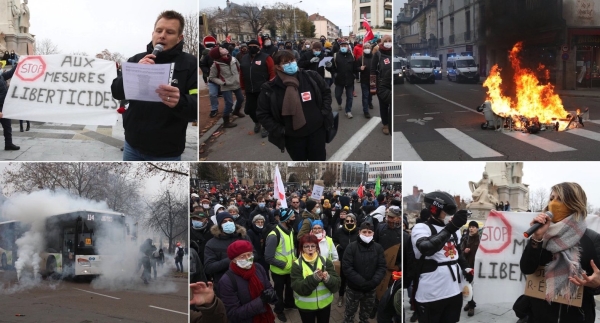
[(401, 115), (593, 121), (461, 111), (585, 133), (166, 309), (537, 141), (443, 98), (87, 291), (472, 147), (432, 113), (348, 148), (403, 150)]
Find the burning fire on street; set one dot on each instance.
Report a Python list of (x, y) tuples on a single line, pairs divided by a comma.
[(534, 104)]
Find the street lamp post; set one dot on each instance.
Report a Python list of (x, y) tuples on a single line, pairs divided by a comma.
[(295, 35)]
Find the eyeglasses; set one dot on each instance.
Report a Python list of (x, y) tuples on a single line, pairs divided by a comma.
[(309, 247), (351, 221), (295, 202)]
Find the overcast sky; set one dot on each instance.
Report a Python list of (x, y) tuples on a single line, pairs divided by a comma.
[(340, 15), (123, 26), (396, 8), (454, 177)]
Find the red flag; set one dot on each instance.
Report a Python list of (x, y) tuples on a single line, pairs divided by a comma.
[(369, 34), (235, 180), (228, 39), (361, 192), (213, 190), (231, 186), (259, 41)]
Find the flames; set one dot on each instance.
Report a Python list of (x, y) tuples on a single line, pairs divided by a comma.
[(533, 102)]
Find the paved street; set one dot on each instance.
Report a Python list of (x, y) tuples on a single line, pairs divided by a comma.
[(67, 142), (358, 139), (164, 300), (440, 122)]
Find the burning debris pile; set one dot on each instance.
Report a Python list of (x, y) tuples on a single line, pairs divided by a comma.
[(535, 106)]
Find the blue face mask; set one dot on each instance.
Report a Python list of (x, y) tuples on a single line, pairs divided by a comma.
[(290, 68), (344, 49), (247, 206), (261, 205), (235, 216), (228, 227), (197, 224), (317, 53)]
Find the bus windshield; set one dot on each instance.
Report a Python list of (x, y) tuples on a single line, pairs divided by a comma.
[(465, 63), (420, 63)]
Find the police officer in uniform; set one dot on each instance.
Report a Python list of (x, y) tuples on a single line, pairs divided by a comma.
[(442, 269)]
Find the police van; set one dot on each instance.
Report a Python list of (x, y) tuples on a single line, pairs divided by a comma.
[(462, 69), (420, 69), (399, 69), (437, 68)]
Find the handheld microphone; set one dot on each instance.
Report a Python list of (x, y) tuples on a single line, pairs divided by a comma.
[(157, 49), (536, 226)]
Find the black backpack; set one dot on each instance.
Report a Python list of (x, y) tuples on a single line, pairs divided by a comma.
[(180, 252)]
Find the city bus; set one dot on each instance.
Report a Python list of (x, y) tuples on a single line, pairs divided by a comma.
[(71, 241)]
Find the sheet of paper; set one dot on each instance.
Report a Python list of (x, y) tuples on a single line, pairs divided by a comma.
[(140, 81), (325, 60)]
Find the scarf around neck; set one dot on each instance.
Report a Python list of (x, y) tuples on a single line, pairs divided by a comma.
[(562, 240), (256, 287), (291, 101)]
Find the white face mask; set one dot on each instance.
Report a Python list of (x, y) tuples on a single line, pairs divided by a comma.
[(387, 45), (307, 46), (206, 206), (319, 236), (366, 239), (267, 43), (245, 264), (367, 51)]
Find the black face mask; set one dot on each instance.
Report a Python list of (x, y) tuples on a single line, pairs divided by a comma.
[(253, 50), (288, 47)]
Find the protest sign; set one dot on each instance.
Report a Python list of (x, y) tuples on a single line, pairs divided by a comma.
[(536, 287), (317, 192), (62, 89)]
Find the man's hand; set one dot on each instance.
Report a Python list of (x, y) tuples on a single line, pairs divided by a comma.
[(148, 59), (592, 281), (1, 115), (168, 94), (201, 293)]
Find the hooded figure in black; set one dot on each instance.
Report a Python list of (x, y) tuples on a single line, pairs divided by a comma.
[(146, 250)]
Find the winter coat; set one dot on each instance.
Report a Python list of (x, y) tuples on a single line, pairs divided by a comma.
[(216, 261), (213, 313), (4, 85), (255, 235), (365, 75), (472, 243), (229, 76), (364, 265), (306, 223), (152, 127), (240, 306), (305, 63), (270, 107), (541, 311), (304, 286), (382, 67), (390, 237), (344, 66), (201, 237), (342, 239)]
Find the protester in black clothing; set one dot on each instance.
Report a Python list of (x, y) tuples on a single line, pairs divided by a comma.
[(365, 79), (200, 231), (255, 233), (381, 66), (8, 144), (157, 130), (342, 239), (295, 108), (146, 254), (344, 66), (268, 47), (310, 59)]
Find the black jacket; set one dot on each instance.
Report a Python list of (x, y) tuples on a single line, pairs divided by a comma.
[(4, 85), (344, 66), (152, 127), (364, 265), (254, 74), (305, 63), (382, 67), (255, 235), (270, 102), (269, 50), (342, 239), (541, 311), (365, 75), (201, 237)]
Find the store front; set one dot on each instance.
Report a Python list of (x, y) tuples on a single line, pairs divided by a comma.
[(586, 43)]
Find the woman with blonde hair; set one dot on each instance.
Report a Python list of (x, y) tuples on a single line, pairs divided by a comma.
[(569, 252)]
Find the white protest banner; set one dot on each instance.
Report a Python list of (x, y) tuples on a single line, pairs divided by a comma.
[(498, 276), (62, 89), (317, 192)]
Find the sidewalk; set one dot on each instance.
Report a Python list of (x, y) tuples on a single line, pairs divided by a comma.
[(582, 93), (69, 142)]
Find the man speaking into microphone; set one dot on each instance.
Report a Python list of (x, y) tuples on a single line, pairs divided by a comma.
[(155, 131)]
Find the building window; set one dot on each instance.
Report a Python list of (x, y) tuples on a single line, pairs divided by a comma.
[(365, 1), (387, 13), (388, 25), (468, 19), (363, 11)]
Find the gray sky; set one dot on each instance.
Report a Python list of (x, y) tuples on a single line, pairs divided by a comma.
[(92, 26), (340, 15), (396, 8), (454, 177)]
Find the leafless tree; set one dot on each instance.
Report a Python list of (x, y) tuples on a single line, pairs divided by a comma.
[(254, 15), (78, 53), (45, 47), (538, 199), (191, 34), (109, 56), (328, 178), (168, 214)]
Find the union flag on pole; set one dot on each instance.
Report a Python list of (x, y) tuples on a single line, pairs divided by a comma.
[(228, 39), (279, 190), (259, 40), (361, 191), (369, 34)]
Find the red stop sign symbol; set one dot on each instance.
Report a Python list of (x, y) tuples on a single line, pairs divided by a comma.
[(31, 68), (496, 234)]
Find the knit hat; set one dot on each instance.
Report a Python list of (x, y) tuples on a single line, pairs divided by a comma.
[(258, 217), (366, 225), (474, 224), (243, 45), (222, 216), (317, 222), (310, 205), (237, 248), (214, 53), (198, 214), (253, 42), (285, 214), (350, 215), (328, 44)]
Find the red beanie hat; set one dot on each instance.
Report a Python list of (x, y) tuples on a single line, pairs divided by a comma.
[(238, 247), (214, 53)]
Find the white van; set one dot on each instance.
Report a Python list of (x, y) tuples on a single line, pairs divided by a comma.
[(420, 69), (462, 69)]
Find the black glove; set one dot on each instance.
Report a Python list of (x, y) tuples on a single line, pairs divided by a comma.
[(458, 220), (268, 296), (468, 275)]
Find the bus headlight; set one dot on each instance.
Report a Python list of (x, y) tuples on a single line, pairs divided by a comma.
[(84, 262)]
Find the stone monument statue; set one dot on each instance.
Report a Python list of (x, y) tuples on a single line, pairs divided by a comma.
[(484, 193), (16, 14), (24, 19), (515, 172)]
